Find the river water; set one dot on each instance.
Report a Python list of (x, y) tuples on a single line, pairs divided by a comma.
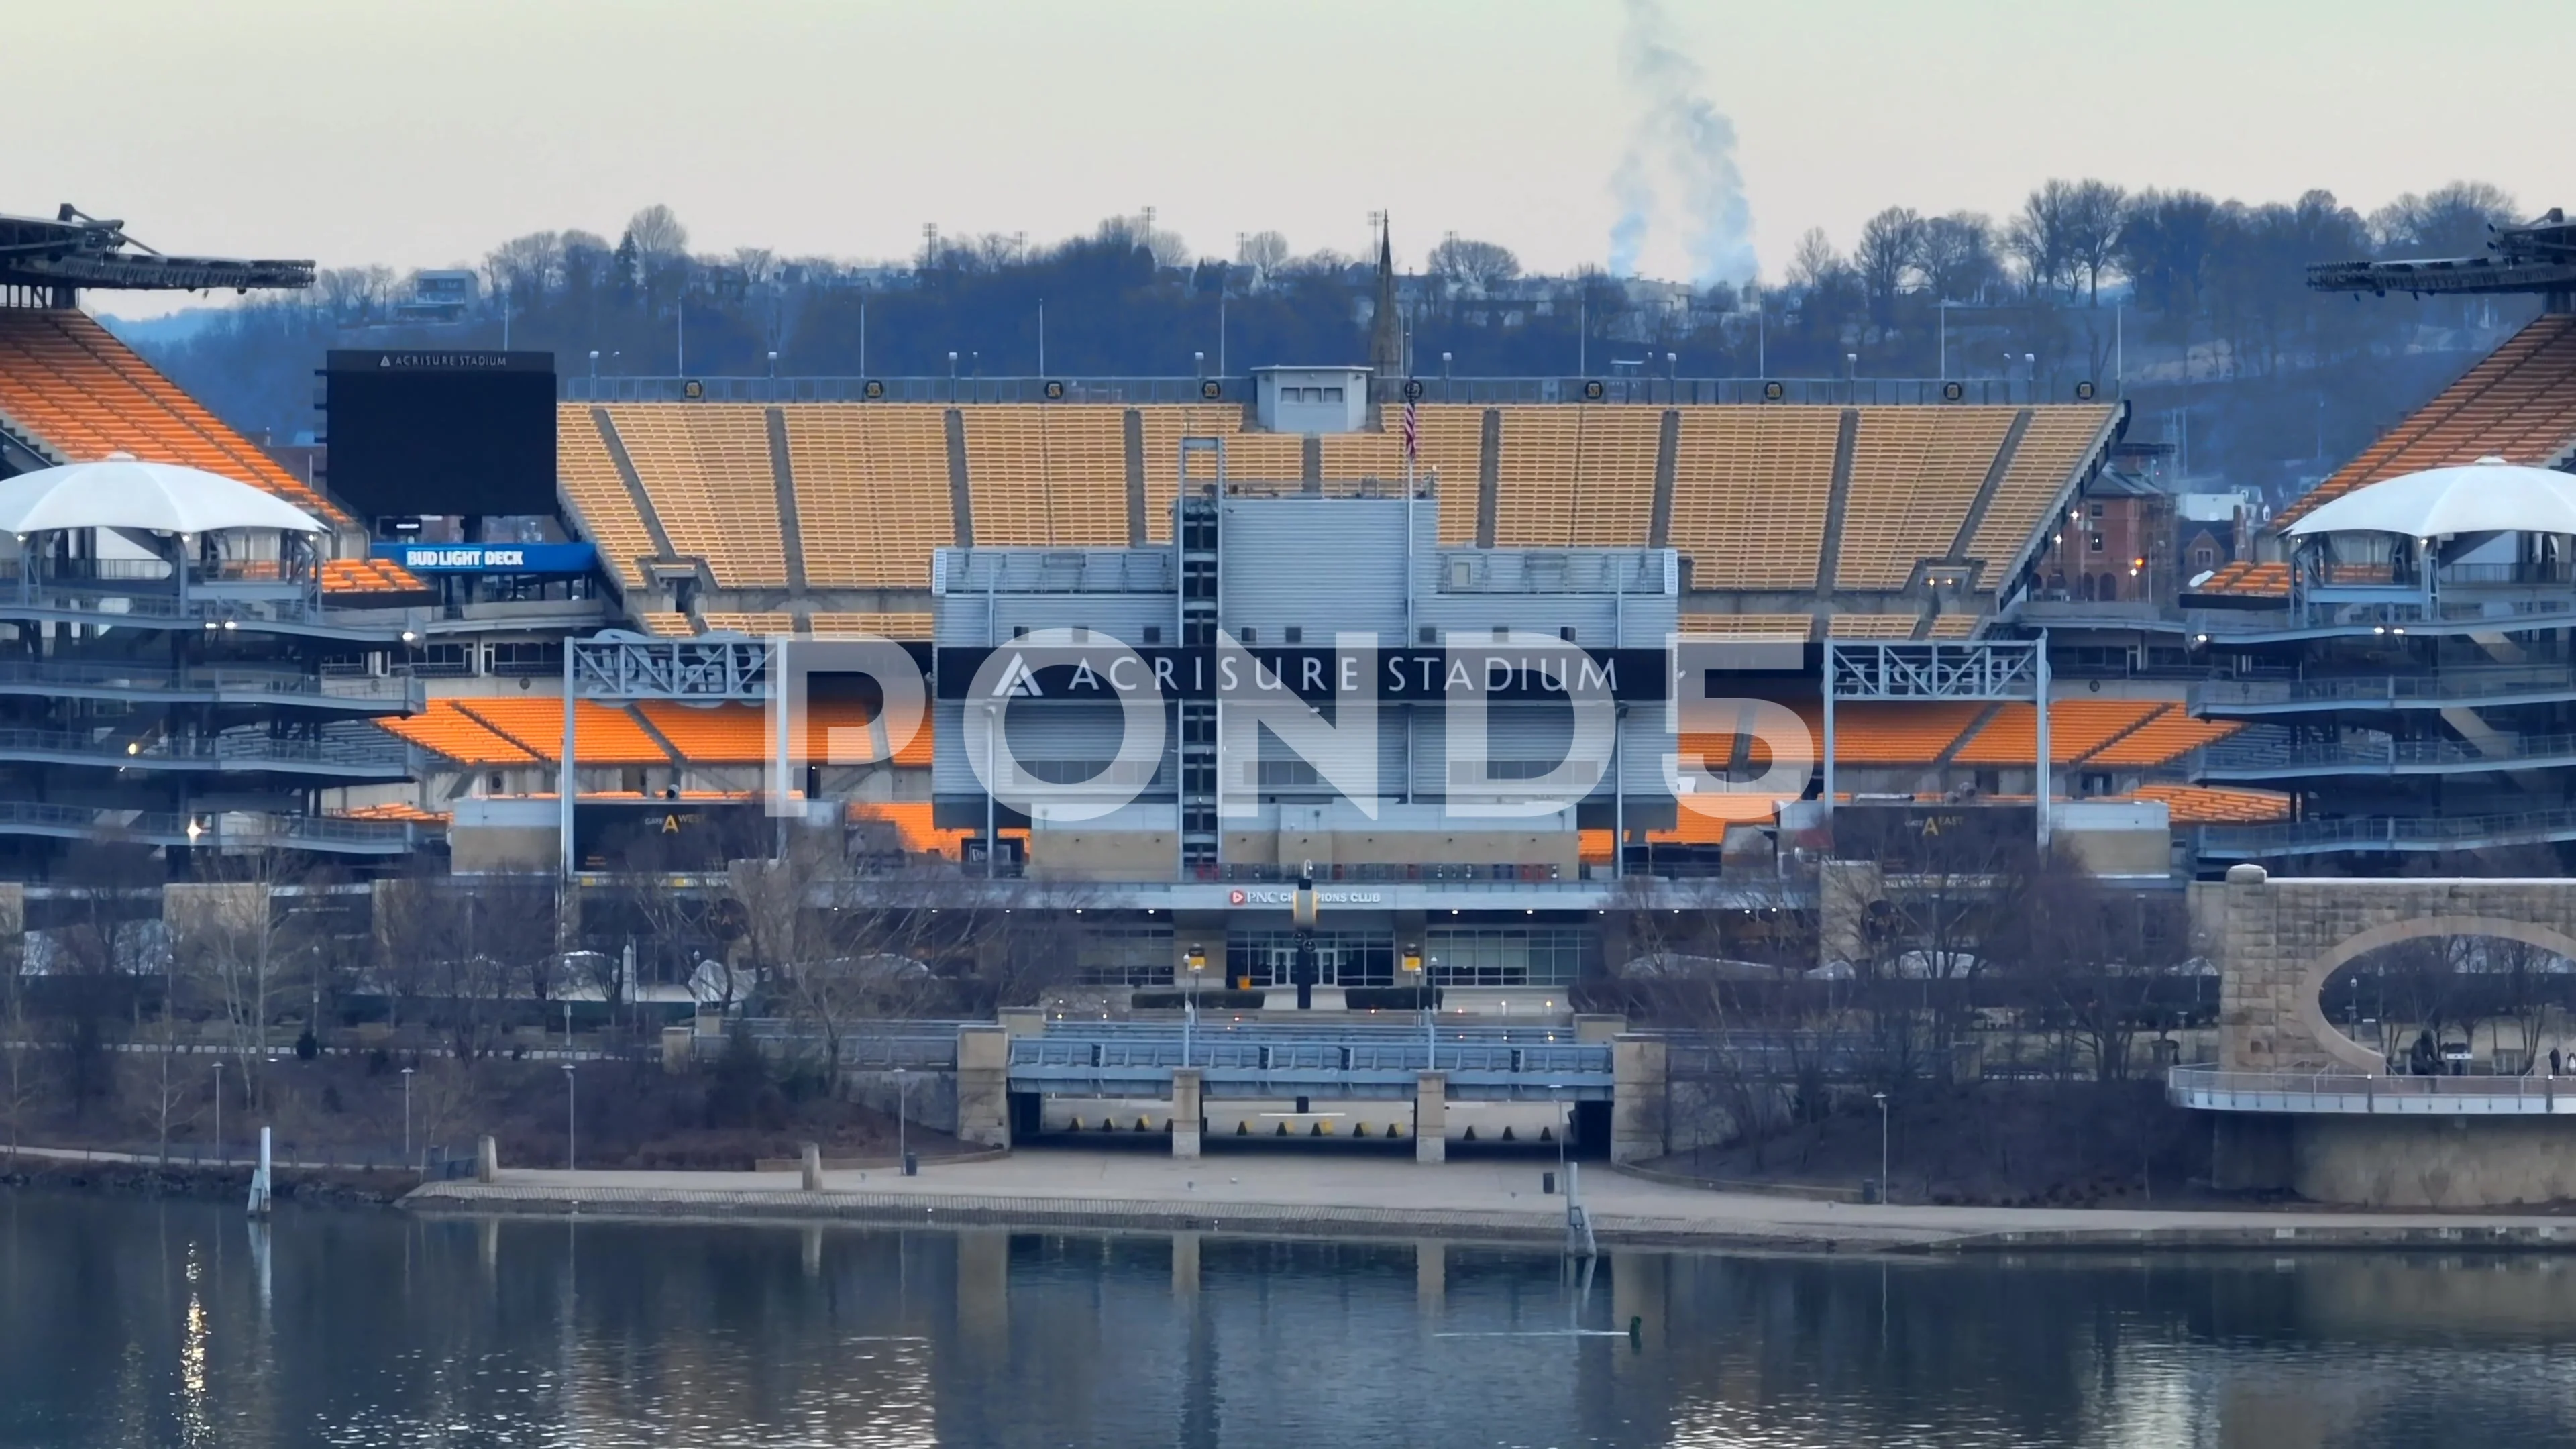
[(127, 1322)]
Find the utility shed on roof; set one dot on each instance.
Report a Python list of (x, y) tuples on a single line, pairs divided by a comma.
[(1311, 399)]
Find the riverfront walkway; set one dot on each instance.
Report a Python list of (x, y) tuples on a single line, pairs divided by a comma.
[(1300, 1194)]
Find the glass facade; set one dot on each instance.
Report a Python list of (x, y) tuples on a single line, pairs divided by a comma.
[(1126, 956), (1508, 955), (1342, 958)]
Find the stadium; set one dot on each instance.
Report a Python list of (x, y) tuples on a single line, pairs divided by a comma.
[(575, 627)]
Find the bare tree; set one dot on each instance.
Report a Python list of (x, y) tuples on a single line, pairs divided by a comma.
[(2453, 220), (1890, 251), (1814, 260), (1473, 267), (527, 267), (20, 1087), (658, 235), (1264, 253), (1957, 256), (231, 937)]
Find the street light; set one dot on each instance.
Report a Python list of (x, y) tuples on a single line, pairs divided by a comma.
[(952, 374), (1881, 1099), (902, 1122), (568, 1118), (1416, 970), (1194, 965), (406, 1074), (219, 1109)]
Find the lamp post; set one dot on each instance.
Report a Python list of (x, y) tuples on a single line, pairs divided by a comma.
[(1881, 1099), (569, 1122), (406, 1075), (952, 374), (902, 1122), (1194, 967), (1416, 970), (1445, 359), (219, 1109)]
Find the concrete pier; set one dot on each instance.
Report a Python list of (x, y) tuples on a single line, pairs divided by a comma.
[(1188, 1113), (1431, 1117)]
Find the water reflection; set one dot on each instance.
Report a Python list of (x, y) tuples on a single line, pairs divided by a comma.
[(127, 1323)]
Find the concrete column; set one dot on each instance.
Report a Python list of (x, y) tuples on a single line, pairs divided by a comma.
[(1185, 1265), (1593, 1030), (984, 1086), (984, 1292), (487, 1160), (1020, 1021), (1637, 1071), (1187, 1111), (813, 1167), (676, 1046), (1430, 1277), (1431, 1117)]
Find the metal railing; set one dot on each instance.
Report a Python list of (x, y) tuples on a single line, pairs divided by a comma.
[(397, 690), (216, 830), (386, 756), (2455, 684), (1619, 385), (2241, 755), (2343, 1091), (2435, 832)]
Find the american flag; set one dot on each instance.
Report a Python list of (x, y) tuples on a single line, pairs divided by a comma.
[(1412, 430)]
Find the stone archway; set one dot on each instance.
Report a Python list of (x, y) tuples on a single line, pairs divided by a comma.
[(2281, 940)]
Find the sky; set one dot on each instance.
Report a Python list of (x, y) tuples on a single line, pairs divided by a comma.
[(417, 134)]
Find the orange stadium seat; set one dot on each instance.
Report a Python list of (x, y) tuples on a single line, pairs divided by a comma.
[(78, 390), (2517, 403), (1051, 476), (449, 731), (1165, 424), (1915, 474), (600, 501), (2076, 728), (1750, 490), (2163, 740), (606, 734), (1576, 476), (872, 494), (2060, 442), (706, 467), (2216, 805)]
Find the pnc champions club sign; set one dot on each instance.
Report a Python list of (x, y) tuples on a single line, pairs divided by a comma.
[(1323, 705)]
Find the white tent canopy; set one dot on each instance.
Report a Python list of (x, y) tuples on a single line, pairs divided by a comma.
[(2487, 496), (118, 491)]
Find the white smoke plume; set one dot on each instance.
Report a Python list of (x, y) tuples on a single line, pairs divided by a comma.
[(1679, 139)]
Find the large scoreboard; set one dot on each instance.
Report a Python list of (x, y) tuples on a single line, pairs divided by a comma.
[(442, 433)]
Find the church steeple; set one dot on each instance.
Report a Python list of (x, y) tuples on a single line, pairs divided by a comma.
[(1386, 334)]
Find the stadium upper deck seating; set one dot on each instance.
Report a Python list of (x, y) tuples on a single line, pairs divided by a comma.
[(2517, 403), (1750, 490), (1452, 445), (1053, 476), (591, 482), (872, 496), (604, 734), (706, 467), (2076, 728), (360, 581), (2163, 740), (2217, 805), (78, 391), (2247, 580), (459, 736), (1163, 427), (1872, 626), (2059, 440), (1915, 474), (1575, 476)]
